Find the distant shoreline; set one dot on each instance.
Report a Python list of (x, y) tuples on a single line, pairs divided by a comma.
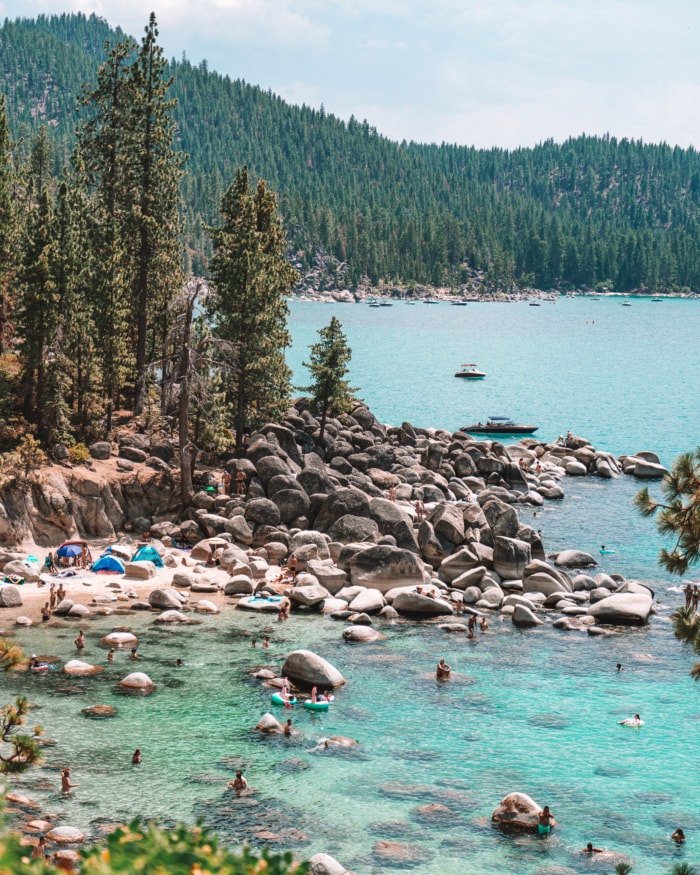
[(363, 296)]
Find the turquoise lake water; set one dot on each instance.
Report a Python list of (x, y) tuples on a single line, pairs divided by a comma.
[(532, 711)]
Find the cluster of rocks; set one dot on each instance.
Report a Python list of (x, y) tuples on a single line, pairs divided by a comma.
[(391, 509)]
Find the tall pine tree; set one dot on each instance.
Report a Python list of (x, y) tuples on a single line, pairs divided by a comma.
[(157, 171), (251, 277)]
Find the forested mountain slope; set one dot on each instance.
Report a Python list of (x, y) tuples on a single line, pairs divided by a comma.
[(591, 211)]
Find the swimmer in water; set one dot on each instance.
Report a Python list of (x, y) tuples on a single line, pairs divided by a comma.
[(239, 783), (443, 670), (66, 785), (632, 721), (136, 757)]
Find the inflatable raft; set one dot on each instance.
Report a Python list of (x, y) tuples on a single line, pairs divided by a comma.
[(276, 699)]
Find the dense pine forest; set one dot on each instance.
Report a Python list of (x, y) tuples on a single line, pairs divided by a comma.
[(591, 212)]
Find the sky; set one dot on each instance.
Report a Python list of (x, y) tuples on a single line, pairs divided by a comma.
[(485, 73)]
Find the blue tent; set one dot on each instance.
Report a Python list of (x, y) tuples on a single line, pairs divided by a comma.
[(108, 562), (149, 553)]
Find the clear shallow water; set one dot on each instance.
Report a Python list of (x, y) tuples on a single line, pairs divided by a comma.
[(534, 711)]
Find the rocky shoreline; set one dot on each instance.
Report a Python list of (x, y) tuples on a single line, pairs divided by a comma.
[(382, 523)]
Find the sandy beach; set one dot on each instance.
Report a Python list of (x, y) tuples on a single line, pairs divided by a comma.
[(92, 589)]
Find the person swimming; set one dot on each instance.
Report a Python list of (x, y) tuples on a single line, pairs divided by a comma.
[(239, 783), (632, 721)]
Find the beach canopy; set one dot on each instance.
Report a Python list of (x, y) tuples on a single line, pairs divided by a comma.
[(109, 562), (69, 550), (148, 553)]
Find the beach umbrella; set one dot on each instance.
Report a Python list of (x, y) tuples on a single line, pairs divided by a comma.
[(69, 550)]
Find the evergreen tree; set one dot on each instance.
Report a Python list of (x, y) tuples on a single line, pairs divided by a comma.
[(9, 229), (679, 514), (157, 170), (103, 142), (330, 391), (36, 311), (251, 277)]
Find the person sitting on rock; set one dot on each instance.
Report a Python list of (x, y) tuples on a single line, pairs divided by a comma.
[(443, 670)]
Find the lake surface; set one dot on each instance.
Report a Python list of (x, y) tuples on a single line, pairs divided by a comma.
[(532, 711)]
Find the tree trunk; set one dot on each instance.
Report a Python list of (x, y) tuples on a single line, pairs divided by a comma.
[(184, 378)]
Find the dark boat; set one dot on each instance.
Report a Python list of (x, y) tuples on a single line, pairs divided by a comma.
[(499, 425), (469, 372)]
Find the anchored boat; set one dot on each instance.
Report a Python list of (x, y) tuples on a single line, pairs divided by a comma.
[(499, 425), (470, 372)]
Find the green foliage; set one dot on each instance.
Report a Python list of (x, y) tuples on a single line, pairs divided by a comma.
[(679, 514), (251, 277), (26, 457), (182, 851), (331, 393), (79, 454), (683, 869)]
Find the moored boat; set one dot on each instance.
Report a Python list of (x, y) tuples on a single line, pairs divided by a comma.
[(499, 425), (470, 372)]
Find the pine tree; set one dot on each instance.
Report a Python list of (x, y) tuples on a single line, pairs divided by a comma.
[(9, 229), (251, 277), (36, 311), (157, 171), (104, 140), (679, 513), (330, 391)]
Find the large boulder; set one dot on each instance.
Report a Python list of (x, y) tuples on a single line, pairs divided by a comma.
[(368, 601), (163, 599), (10, 596), (510, 557), (142, 569), (292, 503), (269, 724), (518, 811), (346, 500), (623, 609), (393, 520), (448, 522), (544, 583), (574, 559), (383, 567), (353, 528), (328, 575), (417, 604), (501, 517), (306, 667), (323, 864), (524, 618), (28, 570), (262, 511), (361, 634), (309, 595), (137, 681)]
